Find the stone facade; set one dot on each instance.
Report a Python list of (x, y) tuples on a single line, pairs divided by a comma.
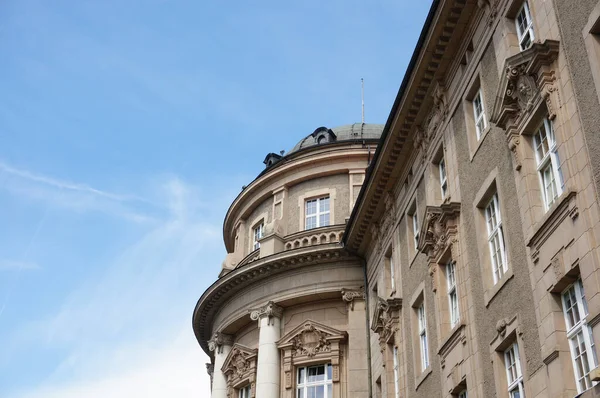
[(469, 263)]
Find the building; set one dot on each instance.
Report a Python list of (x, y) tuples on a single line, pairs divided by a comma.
[(463, 261)]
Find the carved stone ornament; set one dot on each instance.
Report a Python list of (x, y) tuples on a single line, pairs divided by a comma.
[(311, 341), (501, 327), (218, 340), (386, 320), (349, 295), (441, 227), (210, 369), (270, 310), (239, 367), (529, 80)]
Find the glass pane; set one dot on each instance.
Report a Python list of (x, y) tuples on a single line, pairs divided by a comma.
[(329, 392), (300, 393), (324, 205), (320, 392), (311, 222), (311, 207), (301, 372), (329, 372)]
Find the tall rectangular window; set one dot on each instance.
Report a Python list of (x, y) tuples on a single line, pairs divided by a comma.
[(317, 213), (257, 234), (579, 334), (392, 273), (548, 164), (244, 392), (314, 382), (496, 239), (443, 178), (514, 375), (452, 293), (415, 225), (479, 114), (524, 27), (396, 374), (423, 337)]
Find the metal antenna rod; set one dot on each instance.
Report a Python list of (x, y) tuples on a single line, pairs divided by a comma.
[(362, 94)]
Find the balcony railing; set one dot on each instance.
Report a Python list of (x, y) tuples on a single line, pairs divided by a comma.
[(315, 236)]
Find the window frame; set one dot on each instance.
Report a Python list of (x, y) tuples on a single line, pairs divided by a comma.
[(245, 391), (422, 330), (576, 329), (514, 381), (318, 212), (415, 225), (521, 35), (452, 293), (547, 162), (443, 177), (390, 260), (327, 381), (396, 369), (496, 237), (260, 229), (479, 116)]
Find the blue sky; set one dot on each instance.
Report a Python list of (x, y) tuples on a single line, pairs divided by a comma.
[(126, 129)]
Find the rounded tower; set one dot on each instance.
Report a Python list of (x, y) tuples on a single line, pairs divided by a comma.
[(287, 313)]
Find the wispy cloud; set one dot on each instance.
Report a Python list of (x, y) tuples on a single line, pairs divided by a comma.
[(74, 196), (18, 265)]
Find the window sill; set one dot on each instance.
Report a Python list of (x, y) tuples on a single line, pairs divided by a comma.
[(414, 257), (563, 205), (455, 335), (490, 293), (421, 378), (480, 141)]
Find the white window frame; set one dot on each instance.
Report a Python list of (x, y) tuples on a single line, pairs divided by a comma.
[(245, 392), (424, 348), (452, 293), (415, 222), (527, 28), (579, 334), (548, 163), (514, 375), (479, 115), (443, 178), (493, 222), (303, 386), (319, 204), (396, 373), (257, 234)]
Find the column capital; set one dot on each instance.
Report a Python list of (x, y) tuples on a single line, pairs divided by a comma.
[(218, 341), (349, 295), (270, 310)]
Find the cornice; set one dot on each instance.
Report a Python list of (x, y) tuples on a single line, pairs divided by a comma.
[(410, 107), (240, 278)]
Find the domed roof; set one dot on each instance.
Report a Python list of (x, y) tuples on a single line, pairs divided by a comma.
[(349, 132)]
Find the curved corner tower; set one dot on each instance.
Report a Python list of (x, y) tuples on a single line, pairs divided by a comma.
[(287, 314)]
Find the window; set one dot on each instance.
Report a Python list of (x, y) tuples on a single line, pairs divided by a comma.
[(479, 114), (396, 374), (443, 178), (496, 239), (415, 224), (423, 337), (317, 213), (514, 377), (452, 294), (244, 392), (257, 235), (579, 334), (314, 382), (524, 27), (392, 274), (462, 394), (548, 164)]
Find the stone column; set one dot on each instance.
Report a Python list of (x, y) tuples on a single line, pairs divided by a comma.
[(268, 369), (220, 344), (358, 368)]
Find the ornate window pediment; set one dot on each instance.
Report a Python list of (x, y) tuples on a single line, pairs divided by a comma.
[(240, 368), (311, 342), (439, 230), (386, 320), (529, 80)]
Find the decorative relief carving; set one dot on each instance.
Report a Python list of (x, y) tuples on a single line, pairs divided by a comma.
[(218, 340), (441, 229), (501, 327), (270, 310), (210, 369), (349, 295), (311, 341), (386, 320), (528, 81), (240, 368)]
